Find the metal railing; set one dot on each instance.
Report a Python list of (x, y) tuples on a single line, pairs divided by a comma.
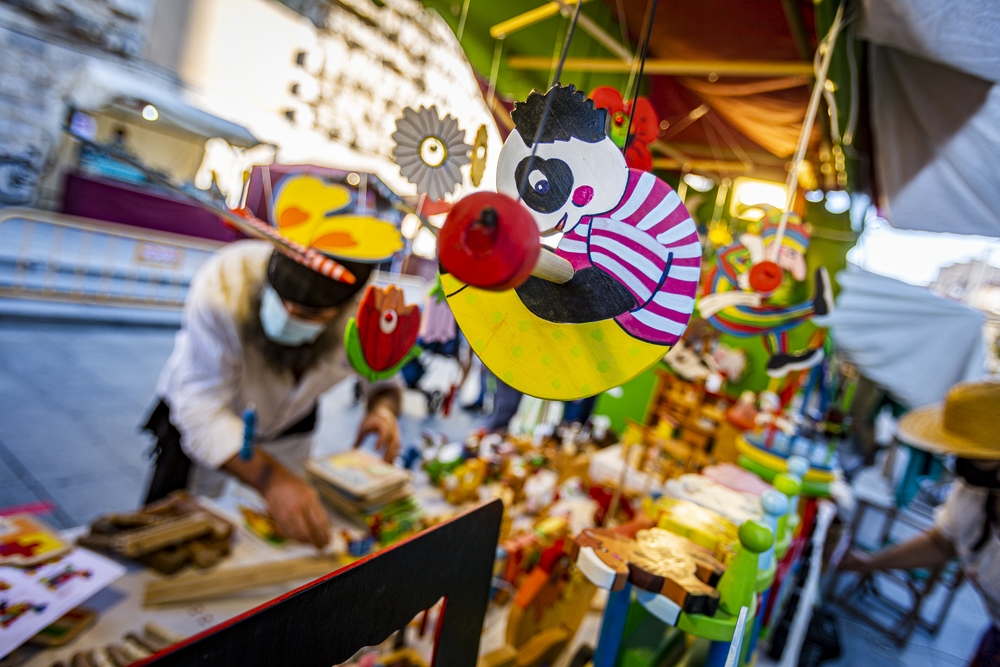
[(49, 256)]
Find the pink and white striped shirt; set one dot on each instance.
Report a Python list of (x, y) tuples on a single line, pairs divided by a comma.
[(649, 244)]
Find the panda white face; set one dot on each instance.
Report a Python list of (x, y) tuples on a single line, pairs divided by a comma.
[(567, 181)]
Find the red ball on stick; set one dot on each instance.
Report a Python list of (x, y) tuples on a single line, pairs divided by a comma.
[(489, 240)]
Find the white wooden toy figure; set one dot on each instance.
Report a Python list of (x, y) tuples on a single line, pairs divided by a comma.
[(632, 245)]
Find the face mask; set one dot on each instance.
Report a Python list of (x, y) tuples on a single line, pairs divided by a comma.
[(283, 328)]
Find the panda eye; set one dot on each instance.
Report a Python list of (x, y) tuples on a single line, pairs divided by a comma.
[(538, 182)]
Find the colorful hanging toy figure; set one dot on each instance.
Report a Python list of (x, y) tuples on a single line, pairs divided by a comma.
[(383, 337), (730, 304), (645, 125), (617, 223), (628, 244)]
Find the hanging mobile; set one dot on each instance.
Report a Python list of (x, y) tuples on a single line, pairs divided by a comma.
[(478, 156), (382, 338), (430, 150)]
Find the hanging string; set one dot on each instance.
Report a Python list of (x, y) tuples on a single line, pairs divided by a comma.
[(461, 21), (733, 144), (555, 55), (548, 100), (642, 66), (791, 185), (623, 28), (494, 71)]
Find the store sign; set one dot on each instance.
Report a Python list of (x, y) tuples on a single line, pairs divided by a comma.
[(158, 255)]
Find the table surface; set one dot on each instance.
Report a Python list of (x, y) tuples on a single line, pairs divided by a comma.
[(120, 608)]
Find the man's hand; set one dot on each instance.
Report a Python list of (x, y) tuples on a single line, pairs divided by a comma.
[(856, 561), (295, 507), (293, 504), (382, 422)]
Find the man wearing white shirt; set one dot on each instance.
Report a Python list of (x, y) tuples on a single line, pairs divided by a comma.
[(261, 329)]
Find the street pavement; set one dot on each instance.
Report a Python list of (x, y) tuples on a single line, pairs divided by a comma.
[(72, 398)]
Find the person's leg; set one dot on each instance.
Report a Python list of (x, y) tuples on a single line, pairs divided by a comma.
[(988, 653), (478, 403), (505, 402), (864, 409)]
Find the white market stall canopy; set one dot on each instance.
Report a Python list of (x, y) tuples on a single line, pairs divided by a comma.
[(935, 104), (905, 338), (102, 87)]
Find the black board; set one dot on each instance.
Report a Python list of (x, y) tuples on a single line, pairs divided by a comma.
[(328, 620)]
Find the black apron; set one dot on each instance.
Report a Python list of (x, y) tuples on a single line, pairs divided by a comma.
[(172, 467)]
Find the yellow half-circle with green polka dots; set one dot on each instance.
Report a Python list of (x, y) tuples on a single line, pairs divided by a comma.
[(545, 359)]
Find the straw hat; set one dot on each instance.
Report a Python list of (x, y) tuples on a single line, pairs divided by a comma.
[(965, 425)]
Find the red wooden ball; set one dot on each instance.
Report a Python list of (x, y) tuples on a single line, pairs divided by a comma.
[(765, 277), (490, 241)]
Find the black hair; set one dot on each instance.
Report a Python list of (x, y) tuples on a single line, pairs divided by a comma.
[(571, 115)]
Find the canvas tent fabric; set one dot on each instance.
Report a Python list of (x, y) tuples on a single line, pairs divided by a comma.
[(102, 85), (905, 338), (935, 106)]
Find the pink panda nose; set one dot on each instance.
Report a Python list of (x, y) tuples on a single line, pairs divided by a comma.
[(582, 195)]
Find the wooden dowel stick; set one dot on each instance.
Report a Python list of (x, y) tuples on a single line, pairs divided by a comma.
[(553, 268), (220, 583)]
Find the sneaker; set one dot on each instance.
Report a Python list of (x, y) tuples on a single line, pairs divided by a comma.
[(474, 408), (823, 296), (781, 365)]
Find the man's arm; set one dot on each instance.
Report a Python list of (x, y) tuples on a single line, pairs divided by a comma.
[(384, 403), (293, 504), (200, 395), (929, 549)]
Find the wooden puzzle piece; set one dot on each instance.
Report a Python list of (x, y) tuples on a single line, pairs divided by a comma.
[(656, 561), (26, 541)]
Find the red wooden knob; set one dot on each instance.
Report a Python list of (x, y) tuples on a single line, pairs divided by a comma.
[(765, 277), (489, 240)]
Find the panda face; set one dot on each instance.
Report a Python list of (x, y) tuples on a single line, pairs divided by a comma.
[(567, 180)]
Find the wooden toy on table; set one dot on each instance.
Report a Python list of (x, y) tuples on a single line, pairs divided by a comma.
[(767, 454), (132, 647), (521, 552), (714, 531), (166, 535), (733, 593), (696, 523), (462, 484), (545, 613), (24, 540), (656, 560), (735, 506), (631, 244), (736, 478)]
